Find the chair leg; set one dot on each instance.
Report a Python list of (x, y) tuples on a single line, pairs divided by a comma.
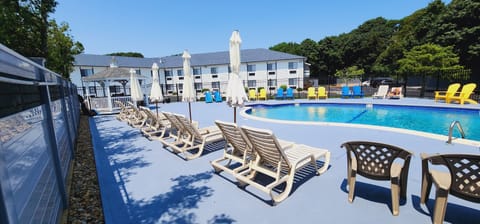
[(426, 187), (351, 185), (395, 193), (286, 192), (440, 205)]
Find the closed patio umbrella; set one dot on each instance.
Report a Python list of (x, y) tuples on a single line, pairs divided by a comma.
[(188, 94), (135, 89), (155, 93), (236, 95)]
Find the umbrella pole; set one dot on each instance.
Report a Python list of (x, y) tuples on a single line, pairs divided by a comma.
[(156, 107), (190, 111), (235, 115)]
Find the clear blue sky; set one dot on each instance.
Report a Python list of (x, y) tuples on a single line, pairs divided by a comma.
[(161, 28)]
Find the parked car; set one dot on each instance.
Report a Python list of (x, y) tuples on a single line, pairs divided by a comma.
[(381, 81)]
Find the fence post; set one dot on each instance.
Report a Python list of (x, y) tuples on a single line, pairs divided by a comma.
[(66, 118), (50, 132)]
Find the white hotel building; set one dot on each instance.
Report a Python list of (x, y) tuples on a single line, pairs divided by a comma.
[(259, 68)]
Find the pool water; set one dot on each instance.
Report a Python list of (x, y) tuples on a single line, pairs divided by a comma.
[(427, 119)]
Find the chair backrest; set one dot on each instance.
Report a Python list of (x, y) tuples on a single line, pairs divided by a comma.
[(357, 90), (267, 147), (208, 97), (452, 89), (374, 159), (289, 92), (235, 137), (311, 91), (154, 121), (218, 97), (464, 173), (345, 90), (252, 93), (467, 90), (279, 92), (321, 91), (263, 93)]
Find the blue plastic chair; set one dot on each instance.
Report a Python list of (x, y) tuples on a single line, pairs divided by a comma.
[(290, 94), (218, 97), (357, 91), (346, 92), (208, 97), (280, 94)]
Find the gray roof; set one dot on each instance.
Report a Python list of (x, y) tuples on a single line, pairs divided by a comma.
[(215, 58), (111, 73)]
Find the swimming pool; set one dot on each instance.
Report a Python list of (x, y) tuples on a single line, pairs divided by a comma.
[(434, 120)]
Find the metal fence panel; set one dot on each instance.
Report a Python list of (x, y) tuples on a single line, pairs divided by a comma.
[(39, 115)]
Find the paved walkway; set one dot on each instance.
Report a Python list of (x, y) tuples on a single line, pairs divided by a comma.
[(141, 182)]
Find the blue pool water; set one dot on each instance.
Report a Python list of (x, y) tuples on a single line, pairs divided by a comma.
[(427, 119)]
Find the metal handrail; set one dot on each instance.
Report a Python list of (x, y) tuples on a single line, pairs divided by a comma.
[(450, 130)]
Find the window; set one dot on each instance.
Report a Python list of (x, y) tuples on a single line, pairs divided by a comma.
[(271, 73), (137, 71), (271, 66), (272, 82), (86, 71), (293, 72), (250, 68), (292, 81), (180, 86), (169, 78), (213, 70), (198, 86), (180, 72), (197, 71), (216, 85), (292, 65), (180, 78), (251, 74), (169, 86), (252, 83), (198, 77), (214, 76), (168, 73)]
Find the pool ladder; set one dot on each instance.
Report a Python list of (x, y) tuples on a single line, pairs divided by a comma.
[(450, 130)]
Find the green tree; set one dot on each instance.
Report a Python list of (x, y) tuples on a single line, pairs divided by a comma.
[(349, 73), (62, 49), (459, 26), (127, 54), (290, 47)]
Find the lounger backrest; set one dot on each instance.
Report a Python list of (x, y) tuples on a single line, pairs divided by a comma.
[(234, 137), (321, 91), (266, 146), (173, 121), (382, 90), (464, 172), (311, 91), (373, 159), (187, 126)]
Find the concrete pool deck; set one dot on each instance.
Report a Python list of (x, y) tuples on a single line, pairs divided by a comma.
[(141, 182)]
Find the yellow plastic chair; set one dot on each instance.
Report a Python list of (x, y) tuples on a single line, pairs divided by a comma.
[(311, 93), (452, 89), (262, 94), (252, 94), (321, 93), (464, 95)]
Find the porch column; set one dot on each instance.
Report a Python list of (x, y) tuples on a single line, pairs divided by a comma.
[(109, 97)]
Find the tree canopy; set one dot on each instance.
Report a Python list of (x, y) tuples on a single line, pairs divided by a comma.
[(25, 27), (127, 54), (378, 46)]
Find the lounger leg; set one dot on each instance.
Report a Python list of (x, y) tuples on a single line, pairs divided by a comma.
[(440, 206), (426, 186), (395, 192), (286, 192), (326, 163)]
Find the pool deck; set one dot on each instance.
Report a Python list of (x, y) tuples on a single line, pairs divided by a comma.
[(141, 182)]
